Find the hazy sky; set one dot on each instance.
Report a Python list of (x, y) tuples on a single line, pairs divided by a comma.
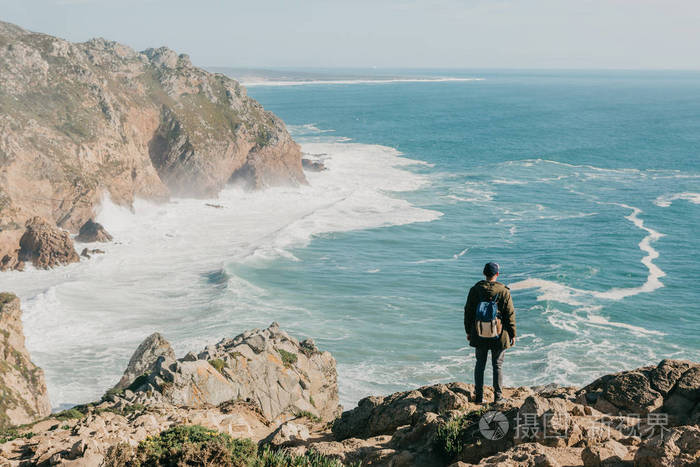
[(386, 33)]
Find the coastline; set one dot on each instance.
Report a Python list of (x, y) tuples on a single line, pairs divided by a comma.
[(158, 248)]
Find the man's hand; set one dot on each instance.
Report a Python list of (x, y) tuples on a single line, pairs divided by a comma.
[(512, 341)]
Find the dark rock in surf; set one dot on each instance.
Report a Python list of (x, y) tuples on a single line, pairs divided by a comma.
[(93, 231), (313, 166), (46, 246)]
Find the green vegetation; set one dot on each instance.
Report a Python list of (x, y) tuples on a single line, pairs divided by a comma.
[(195, 445), (452, 434), (70, 414), (263, 137), (309, 415), (288, 358), (270, 458), (219, 364), (9, 434)]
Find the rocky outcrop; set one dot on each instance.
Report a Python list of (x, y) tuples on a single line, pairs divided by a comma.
[(46, 246), (84, 436), (92, 231), (679, 446), (267, 367), (670, 387), (80, 121), (144, 360), (23, 396), (436, 425)]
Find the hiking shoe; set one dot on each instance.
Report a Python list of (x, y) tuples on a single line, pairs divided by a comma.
[(501, 400), (479, 400)]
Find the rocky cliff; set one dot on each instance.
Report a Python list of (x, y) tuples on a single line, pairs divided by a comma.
[(268, 368), (251, 387), (78, 121), (23, 396)]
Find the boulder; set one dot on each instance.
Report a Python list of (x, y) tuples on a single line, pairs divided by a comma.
[(376, 415), (266, 367), (667, 373), (626, 392), (607, 454), (144, 359), (93, 231), (688, 385), (23, 395), (46, 246), (673, 387), (287, 434), (678, 446), (546, 421)]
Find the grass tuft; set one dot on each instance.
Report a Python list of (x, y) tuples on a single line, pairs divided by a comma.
[(219, 364), (307, 414), (288, 358), (451, 434)]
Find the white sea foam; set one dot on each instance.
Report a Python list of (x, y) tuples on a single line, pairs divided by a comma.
[(84, 320), (665, 201), (264, 82), (551, 290)]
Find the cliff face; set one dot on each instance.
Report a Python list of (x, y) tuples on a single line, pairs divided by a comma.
[(81, 120), (23, 396)]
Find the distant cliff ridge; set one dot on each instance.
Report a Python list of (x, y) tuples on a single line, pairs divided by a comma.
[(81, 120)]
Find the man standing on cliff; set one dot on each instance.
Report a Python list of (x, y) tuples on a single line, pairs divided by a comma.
[(489, 320)]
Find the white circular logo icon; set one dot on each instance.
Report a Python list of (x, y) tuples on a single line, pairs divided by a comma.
[(493, 425)]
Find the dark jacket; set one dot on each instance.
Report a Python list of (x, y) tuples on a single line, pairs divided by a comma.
[(485, 291)]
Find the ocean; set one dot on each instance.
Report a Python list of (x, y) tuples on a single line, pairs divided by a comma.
[(584, 186)]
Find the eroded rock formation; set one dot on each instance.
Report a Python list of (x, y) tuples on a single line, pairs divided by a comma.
[(78, 121), (267, 367), (23, 396), (46, 246)]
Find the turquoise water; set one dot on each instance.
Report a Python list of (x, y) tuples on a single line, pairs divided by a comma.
[(585, 187), (530, 170)]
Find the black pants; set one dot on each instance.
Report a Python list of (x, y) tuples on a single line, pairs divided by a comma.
[(497, 362)]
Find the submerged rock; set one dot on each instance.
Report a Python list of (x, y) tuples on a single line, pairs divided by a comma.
[(93, 231), (46, 246), (313, 166), (23, 395)]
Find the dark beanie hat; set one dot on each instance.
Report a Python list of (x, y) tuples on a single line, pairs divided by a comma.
[(491, 269)]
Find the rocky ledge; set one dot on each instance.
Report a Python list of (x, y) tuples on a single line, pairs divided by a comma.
[(23, 396), (79, 121), (265, 398)]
